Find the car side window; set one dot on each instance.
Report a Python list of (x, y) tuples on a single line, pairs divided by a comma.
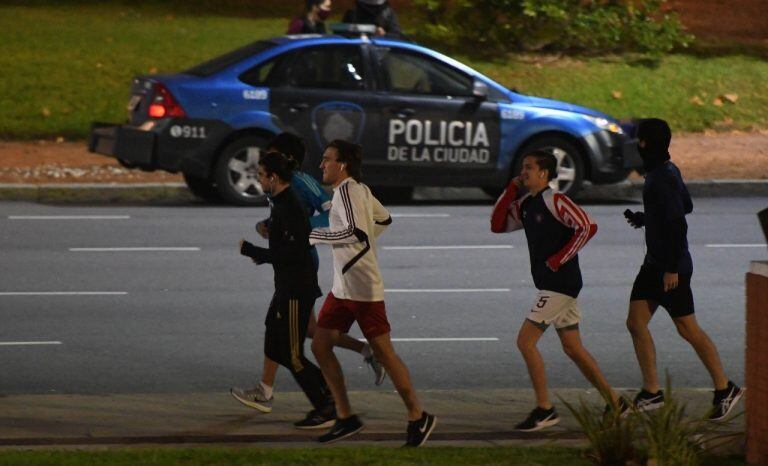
[(268, 74), (328, 67), (413, 73)]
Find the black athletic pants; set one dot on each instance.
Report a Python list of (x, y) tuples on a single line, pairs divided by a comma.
[(287, 321)]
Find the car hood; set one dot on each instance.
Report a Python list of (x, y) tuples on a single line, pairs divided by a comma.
[(541, 102)]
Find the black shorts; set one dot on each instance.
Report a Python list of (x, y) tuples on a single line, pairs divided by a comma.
[(649, 286)]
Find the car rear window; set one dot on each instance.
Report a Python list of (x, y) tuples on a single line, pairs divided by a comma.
[(223, 61)]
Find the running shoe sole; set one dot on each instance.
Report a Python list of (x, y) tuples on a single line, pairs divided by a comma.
[(733, 405), (251, 404), (347, 435), (324, 425), (541, 425), (649, 407)]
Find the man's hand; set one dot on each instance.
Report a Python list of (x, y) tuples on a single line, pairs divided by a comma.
[(670, 281), (262, 229), (636, 219), (551, 265), (517, 181)]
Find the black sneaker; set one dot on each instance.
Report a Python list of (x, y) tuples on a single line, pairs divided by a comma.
[(647, 401), (342, 429), (539, 418), (419, 431), (317, 419), (725, 400), (624, 408)]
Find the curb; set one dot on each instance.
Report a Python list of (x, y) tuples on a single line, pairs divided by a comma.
[(178, 192)]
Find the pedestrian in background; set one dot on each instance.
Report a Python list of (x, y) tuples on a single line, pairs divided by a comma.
[(376, 12), (313, 19)]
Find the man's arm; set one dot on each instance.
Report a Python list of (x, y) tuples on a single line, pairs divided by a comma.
[(571, 215), (349, 210), (506, 212), (381, 217)]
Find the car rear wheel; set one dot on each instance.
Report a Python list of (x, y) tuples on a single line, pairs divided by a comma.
[(202, 188), (235, 172), (570, 167)]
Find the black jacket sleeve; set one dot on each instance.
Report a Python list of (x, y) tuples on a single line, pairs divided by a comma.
[(676, 231)]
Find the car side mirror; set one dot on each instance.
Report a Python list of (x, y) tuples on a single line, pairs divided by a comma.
[(479, 90)]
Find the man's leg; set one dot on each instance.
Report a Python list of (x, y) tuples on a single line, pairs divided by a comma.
[(385, 353), (527, 338), (322, 347), (640, 314), (689, 329), (269, 372), (345, 341), (574, 349)]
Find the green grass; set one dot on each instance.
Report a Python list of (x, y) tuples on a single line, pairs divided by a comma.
[(508, 456), (66, 66)]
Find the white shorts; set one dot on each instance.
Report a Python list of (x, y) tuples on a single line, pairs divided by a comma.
[(555, 308)]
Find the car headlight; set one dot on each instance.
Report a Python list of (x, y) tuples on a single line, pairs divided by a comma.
[(603, 123)]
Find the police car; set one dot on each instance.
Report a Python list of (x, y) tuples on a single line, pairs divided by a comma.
[(422, 118)]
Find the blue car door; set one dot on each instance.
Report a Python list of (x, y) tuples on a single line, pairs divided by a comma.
[(325, 96), (435, 131)]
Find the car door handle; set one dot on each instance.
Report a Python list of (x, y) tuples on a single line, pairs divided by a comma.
[(403, 112), (295, 108)]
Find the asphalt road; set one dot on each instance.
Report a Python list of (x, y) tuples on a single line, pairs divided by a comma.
[(191, 320)]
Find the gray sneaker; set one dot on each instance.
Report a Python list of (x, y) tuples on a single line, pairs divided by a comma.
[(378, 370), (253, 398)]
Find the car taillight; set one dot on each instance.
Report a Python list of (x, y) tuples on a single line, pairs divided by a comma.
[(164, 105)]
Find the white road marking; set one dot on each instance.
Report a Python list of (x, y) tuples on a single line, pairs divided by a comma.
[(25, 343), (443, 339), (737, 245), (63, 293), (420, 215), (449, 290), (477, 246), (141, 249), (68, 217)]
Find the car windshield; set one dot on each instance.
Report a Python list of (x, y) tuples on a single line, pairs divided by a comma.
[(217, 64)]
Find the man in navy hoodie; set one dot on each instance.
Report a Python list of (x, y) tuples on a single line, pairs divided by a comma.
[(665, 276)]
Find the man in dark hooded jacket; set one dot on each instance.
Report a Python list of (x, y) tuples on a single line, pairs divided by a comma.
[(376, 12), (665, 276)]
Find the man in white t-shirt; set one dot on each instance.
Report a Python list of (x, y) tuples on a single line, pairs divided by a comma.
[(357, 218)]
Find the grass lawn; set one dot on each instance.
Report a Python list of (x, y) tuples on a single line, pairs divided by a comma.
[(345, 456), (68, 65)]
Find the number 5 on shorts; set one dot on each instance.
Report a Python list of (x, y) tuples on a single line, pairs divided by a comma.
[(542, 301)]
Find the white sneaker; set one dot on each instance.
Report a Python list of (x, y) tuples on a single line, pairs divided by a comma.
[(378, 370), (253, 398)]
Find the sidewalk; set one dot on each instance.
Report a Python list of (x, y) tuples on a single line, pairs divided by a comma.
[(464, 417)]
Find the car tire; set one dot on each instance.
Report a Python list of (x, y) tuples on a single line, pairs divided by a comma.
[(570, 166), (202, 188), (235, 172)]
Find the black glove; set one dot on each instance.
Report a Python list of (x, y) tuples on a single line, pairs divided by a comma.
[(247, 249), (636, 219)]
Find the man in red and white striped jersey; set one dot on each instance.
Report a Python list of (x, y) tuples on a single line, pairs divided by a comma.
[(556, 229)]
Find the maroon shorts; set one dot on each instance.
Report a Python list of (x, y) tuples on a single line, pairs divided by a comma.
[(340, 314)]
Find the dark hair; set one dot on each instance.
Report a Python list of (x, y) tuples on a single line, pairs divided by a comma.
[(277, 164), (308, 4), (290, 145), (350, 154), (546, 161)]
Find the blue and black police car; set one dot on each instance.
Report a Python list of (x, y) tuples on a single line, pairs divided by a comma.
[(422, 118)]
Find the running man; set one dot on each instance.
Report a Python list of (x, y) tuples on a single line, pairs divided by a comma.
[(317, 203), (556, 229), (296, 287), (356, 220), (665, 276)]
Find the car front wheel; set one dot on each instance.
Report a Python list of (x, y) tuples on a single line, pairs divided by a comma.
[(236, 169)]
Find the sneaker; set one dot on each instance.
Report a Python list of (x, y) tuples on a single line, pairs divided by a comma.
[(624, 408), (647, 401), (725, 400), (419, 431), (342, 429), (378, 370), (253, 398), (317, 419), (539, 418)]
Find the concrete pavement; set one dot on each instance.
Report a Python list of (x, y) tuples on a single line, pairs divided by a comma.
[(464, 416)]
